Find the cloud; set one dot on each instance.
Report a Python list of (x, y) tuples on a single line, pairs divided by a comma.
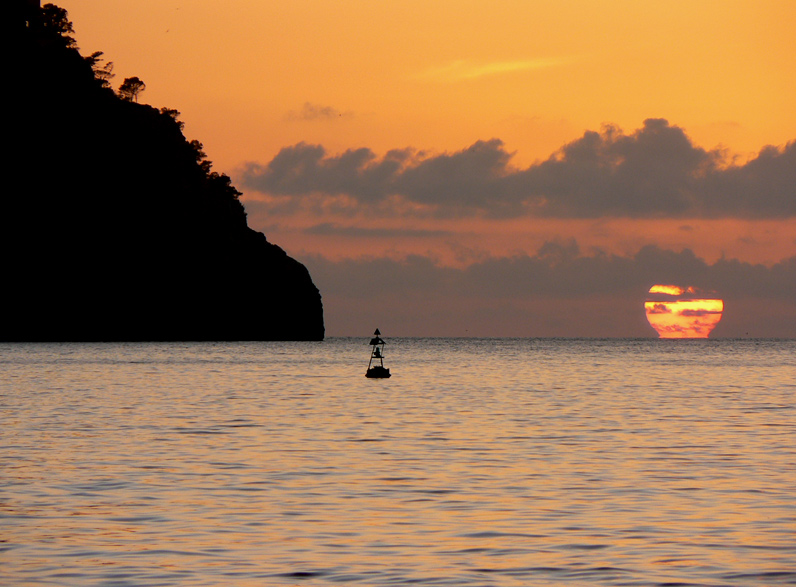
[(659, 309), (654, 172), (304, 170), (328, 228), (661, 292), (558, 291), (699, 313), (311, 111), (463, 70)]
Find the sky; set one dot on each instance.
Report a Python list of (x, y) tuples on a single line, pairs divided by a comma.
[(482, 168)]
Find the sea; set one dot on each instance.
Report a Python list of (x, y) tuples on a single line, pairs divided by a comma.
[(480, 462)]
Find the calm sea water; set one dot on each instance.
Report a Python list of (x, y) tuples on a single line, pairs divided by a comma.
[(480, 462)]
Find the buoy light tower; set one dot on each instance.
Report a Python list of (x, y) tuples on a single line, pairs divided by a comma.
[(376, 368)]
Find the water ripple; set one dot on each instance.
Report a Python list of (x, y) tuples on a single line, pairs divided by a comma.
[(501, 463)]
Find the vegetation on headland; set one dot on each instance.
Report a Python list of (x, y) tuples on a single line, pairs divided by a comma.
[(115, 227)]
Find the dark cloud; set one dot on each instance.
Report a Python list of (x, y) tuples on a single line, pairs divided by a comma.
[(651, 172), (556, 292), (688, 293), (698, 313), (659, 309), (654, 172), (304, 170), (764, 187)]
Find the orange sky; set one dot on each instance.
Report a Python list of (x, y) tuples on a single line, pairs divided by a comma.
[(253, 77), (441, 75)]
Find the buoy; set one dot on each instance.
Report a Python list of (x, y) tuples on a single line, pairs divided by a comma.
[(376, 368)]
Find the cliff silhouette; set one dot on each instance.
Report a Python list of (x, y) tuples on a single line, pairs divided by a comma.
[(113, 226)]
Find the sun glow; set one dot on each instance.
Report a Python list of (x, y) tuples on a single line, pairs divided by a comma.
[(676, 312)]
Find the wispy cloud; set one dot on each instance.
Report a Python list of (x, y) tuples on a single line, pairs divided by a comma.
[(328, 228), (464, 70), (310, 111)]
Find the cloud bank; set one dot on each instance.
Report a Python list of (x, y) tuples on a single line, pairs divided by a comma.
[(556, 292), (655, 172)]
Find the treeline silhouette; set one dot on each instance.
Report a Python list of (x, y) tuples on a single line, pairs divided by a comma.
[(114, 226)]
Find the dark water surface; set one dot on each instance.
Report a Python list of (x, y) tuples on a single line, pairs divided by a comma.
[(480, 462)]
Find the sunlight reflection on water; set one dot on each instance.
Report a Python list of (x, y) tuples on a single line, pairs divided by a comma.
[(480, 462)]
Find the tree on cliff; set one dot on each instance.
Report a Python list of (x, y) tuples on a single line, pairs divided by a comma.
[(103, 72), (130, 88), (55, 24), (113, 224)]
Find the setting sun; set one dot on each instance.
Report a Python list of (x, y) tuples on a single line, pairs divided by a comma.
[(676, 312)]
